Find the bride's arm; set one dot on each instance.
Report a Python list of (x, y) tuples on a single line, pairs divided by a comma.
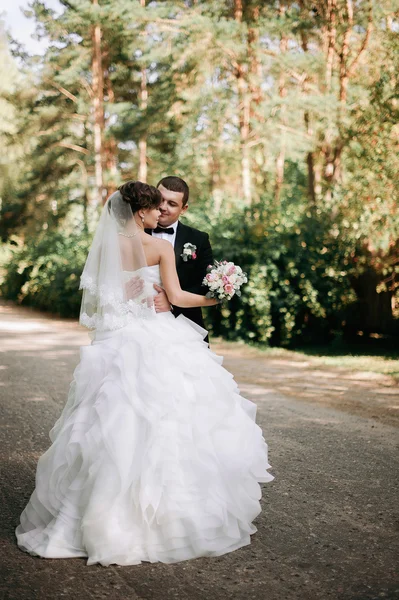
[(171, 284)]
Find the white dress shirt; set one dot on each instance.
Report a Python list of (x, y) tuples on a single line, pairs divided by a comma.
[(168, 236)]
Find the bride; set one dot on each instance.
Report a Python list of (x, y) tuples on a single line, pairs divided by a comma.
[(156, 456)]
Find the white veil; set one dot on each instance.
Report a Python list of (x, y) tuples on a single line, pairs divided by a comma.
[(116, 256)]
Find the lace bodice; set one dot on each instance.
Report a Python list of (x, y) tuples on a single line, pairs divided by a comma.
[(119, 312)]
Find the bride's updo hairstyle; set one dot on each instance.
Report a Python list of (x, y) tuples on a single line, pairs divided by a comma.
[(140, 195)]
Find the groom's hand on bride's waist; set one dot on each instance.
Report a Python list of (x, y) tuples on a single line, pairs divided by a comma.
[(161, 301)]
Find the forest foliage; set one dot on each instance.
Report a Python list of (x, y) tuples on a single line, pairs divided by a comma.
[(282, 116)]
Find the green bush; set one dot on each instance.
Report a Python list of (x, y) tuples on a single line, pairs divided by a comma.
[(299, 275), (45, 272)]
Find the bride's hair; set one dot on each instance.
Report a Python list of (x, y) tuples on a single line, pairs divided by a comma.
[(140, 195)]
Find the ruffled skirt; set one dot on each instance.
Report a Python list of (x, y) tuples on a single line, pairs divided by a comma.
[(156, 456)]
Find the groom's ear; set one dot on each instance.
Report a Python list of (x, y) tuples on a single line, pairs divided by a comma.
[(184, 209)]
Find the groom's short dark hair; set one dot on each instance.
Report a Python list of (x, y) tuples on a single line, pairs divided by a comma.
[(175, 184)]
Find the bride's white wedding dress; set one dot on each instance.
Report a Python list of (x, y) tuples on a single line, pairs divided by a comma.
[(156, 456)]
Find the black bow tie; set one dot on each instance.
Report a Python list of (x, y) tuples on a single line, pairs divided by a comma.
[(168, 230)]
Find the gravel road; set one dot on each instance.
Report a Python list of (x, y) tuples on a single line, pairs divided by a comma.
[(329, 526)]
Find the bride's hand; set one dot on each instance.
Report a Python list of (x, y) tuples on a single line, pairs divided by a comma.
[(134, 287), (161, 301)]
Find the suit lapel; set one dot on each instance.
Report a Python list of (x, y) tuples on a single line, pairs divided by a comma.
[(179, 242)]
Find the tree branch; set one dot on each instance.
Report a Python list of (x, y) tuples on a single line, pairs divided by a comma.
[(352, 67), (62, 90), (72, 147)]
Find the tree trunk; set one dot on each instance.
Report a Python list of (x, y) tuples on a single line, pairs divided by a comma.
[(333, 148), (312, 192), (238, 10), (308, 125), (311, 178), (98, 107), (255, 78), (282, 92), (255, 65), (143, 138), (142, 175), (330, 41), (110, 146), (244, 108), (86, 196)]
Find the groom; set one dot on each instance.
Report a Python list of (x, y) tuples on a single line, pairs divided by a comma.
[(192, 248)]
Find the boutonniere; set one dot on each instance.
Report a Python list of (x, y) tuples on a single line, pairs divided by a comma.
[(189, 252)]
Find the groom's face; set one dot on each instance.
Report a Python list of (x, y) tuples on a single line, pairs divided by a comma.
[(171, 206)]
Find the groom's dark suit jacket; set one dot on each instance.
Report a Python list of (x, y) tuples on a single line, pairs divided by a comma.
[(192, 272)]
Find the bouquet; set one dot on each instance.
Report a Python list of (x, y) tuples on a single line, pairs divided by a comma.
[(224, 279)]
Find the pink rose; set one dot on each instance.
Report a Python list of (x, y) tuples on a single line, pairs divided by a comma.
[(231, 271), (228, 288), (225, 279), (194, 255)]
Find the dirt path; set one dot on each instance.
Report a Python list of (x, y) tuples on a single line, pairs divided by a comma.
[(329, 525)]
